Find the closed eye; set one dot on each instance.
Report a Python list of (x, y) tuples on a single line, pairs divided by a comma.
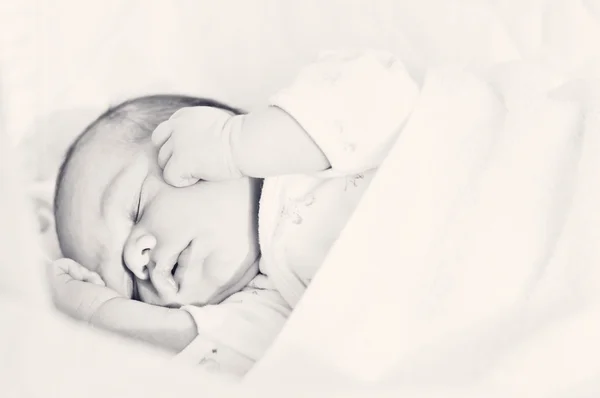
[(135, 212)]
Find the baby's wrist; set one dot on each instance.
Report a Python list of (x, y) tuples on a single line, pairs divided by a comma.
[(97, 317), (270, 142)]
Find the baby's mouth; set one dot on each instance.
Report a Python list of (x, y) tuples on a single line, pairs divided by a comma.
[(180, 266), (166, 290)]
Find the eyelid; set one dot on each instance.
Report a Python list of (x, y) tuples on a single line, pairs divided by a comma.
[(136, 218), (136, 212)]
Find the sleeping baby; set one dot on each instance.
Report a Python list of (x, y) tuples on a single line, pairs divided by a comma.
[(192, 226)]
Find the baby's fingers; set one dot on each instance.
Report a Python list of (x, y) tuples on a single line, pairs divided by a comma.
[(165, 153), (162, 276), (174, 174), (85, 275), (92, 277), (66, 269), (162, 133), (60, 270)]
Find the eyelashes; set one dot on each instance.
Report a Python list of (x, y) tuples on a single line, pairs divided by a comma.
[(136, 211), (134, 215)]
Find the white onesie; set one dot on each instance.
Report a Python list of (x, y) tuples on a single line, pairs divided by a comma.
[(353, 105)]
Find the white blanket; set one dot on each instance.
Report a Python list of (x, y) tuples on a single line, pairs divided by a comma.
[(470, 268), (472, 262)]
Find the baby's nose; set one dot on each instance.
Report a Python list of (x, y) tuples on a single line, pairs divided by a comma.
[(137, 254)]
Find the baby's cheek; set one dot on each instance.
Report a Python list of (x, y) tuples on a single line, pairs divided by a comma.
[(116, 279)]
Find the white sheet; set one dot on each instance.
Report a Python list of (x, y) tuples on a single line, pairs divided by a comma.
[(483, 295), (471, 264)]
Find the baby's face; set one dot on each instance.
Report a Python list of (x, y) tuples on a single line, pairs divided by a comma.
[(123, 221)]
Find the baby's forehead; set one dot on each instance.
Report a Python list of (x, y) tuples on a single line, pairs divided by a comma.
[(98, 159)]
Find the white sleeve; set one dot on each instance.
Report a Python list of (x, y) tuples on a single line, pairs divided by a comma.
[(234, 334), (353, 106)]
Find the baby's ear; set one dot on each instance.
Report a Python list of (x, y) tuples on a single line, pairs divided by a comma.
[(49, 238), (44, 215), (41, 193)]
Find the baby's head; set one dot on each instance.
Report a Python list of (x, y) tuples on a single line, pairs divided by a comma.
[(116, 215)]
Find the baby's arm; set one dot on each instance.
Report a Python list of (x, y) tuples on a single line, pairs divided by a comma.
[(343, 112), (231, 335), (169, 328), (83, 295), (271, 143)]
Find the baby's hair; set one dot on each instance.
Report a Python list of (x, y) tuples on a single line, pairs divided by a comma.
[(135, 120)]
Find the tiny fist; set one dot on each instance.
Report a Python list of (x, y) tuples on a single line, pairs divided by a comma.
[(69, 269), (162, 133), (175, 175), (62, 265), (95, 278), (194, 145)]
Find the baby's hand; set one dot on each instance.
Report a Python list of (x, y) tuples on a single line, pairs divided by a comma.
[(195, 144), (77, 291)]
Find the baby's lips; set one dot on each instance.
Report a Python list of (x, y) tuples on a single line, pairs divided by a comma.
[(182, 263)]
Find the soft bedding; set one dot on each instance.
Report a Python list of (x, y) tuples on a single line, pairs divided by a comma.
[(470, 268)]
